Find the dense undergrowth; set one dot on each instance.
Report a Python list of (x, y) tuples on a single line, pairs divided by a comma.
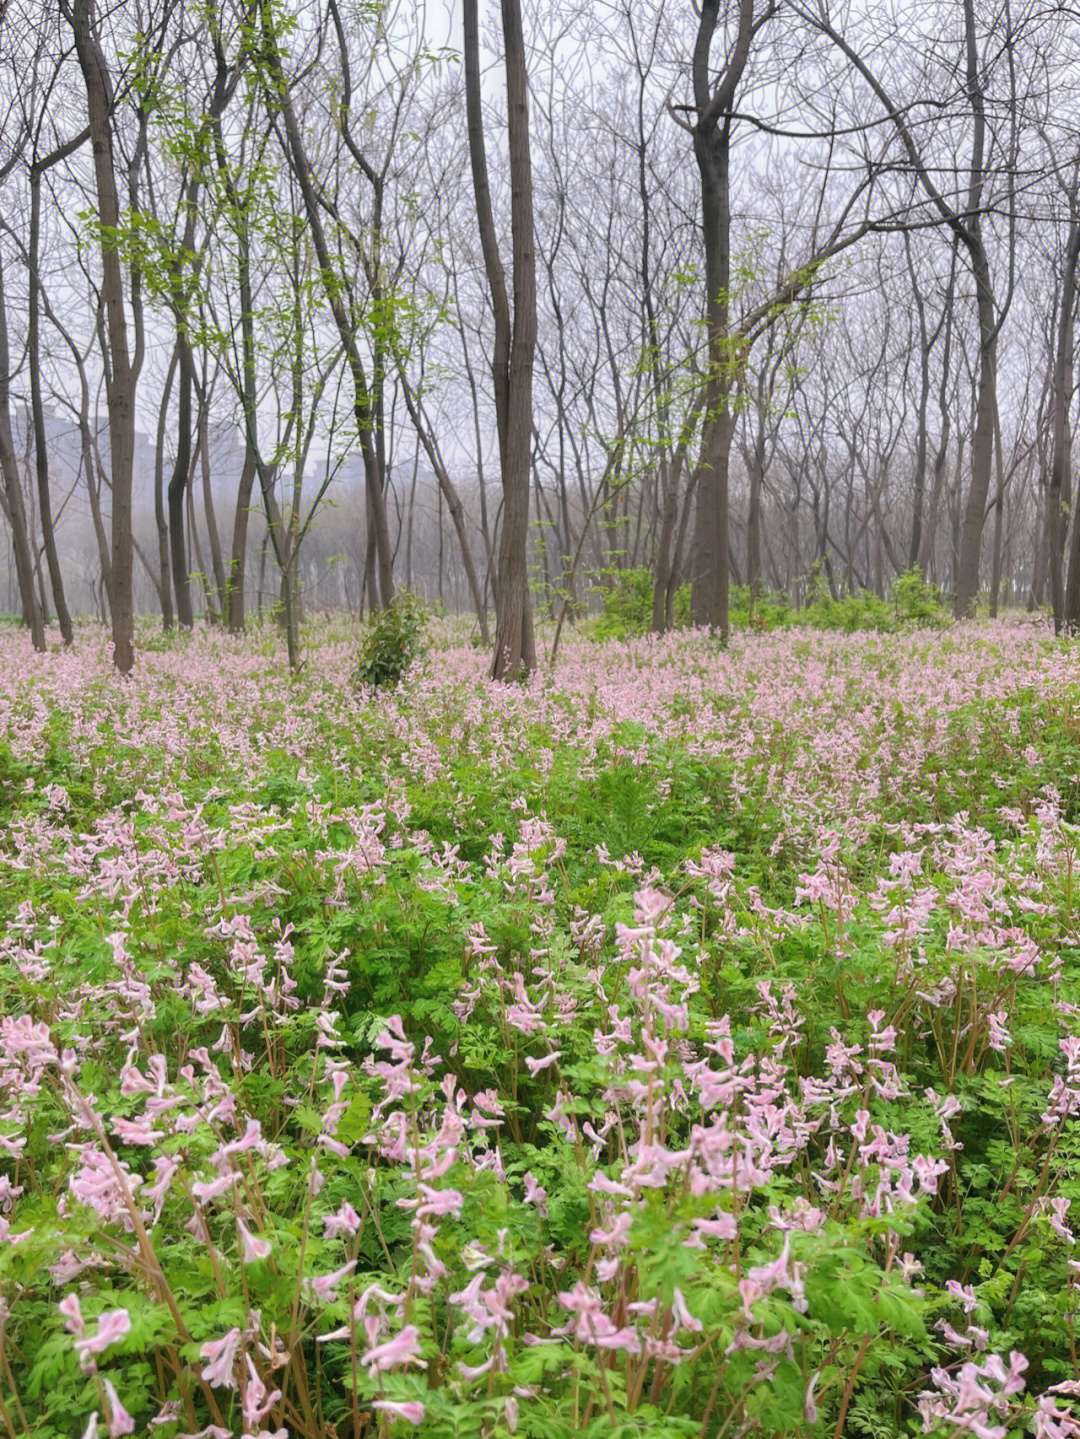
[(687, 1044), (627, 607)]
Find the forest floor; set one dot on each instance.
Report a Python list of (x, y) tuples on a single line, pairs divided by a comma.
[(686, 1043)]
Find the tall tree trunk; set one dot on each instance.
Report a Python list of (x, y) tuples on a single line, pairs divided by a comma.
[(238, 555), (41, 449), (447, 491), (119, 384), (982, 448), (515, 340), (753, 514), (14, 503), (164, 569), (711, 131), (999, 514), (178, 483), (208, 502), (926, 342), (982, 441), (1056, 513)]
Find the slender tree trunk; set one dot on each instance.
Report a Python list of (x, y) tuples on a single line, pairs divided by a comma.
[(982, 442), (1056, 511), (119, 382), (164, 569), (41, 450), (14, 503), (753, 516), (712, 151), (918, 499), (982, 454), (447, 491), (178, 483), (515, 340), (208, 505), (238, 556), (999, 512)]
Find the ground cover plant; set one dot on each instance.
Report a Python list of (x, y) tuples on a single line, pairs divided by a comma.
[(687, 1042)]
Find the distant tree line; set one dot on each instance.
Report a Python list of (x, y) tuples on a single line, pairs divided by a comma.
[(737, 292)]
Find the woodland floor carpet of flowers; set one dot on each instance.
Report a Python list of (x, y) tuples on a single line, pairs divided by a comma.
[(687, 1043)]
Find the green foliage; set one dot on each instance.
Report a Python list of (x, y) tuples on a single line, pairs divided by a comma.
[(627, 608), (913, 603), (766, 611), (401, 841), (393, 642), (917, 600), (848, 613), (681, 607)]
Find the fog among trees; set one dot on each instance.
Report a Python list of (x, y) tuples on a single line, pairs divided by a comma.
[(301, 306)]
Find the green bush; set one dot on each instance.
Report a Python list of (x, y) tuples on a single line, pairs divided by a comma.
[(627, 607), (768, 611), (394, 640), (862, 611), (912, 602), (916, 600)]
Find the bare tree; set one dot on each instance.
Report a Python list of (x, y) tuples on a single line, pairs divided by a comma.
[(515, 336), (119, 374)]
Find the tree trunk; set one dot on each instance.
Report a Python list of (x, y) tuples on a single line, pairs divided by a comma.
[(41, 452), (119, 385), (515, 341), (238, 557), (982, 443), (178, 483), (14, 504), (164, 569), (712, 151), (982, 453), (208, 503), (1056, 514)]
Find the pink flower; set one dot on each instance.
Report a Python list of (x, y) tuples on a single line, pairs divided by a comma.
[(618, 1234), (536, 1066), (682, 1314), (205, 1189), (136, 1131), (535, 1193), (412, 1412), (117, 1419), (810, 1412), (1050, 1422), (438, 1202), (769, 1276), (73, 1320), (403, 1348), (325, 1286), (251, 1247), (112, 1326), (257, 1399), (345, 1221), (222, 1355)]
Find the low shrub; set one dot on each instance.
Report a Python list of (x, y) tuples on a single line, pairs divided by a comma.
[(393, 642), (627, 608)]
